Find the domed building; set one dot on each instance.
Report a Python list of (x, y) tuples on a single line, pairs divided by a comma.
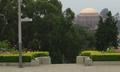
[(88, 17)]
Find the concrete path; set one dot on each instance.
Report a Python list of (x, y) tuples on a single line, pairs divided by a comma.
[(63, 68)]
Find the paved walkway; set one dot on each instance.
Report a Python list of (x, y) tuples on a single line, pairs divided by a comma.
[(63, 68)]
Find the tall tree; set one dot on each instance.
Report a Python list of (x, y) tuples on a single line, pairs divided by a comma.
[(8, 10), (106, 34), (43, 32)]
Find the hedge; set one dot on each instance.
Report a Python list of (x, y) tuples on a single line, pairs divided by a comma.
[(101, 56), (38, 54), (88, 53), (27, 57), (15, 58), (105, 57)]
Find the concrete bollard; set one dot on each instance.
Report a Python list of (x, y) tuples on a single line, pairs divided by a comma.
[(44, 60), (88, 61), (35, 62), (80, 59)]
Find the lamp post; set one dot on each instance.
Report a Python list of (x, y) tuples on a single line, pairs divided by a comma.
[(20, 20), (19, 34)]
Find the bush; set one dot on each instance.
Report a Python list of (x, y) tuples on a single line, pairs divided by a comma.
[(38, 54), (14, 58), (106, 57), (5, 45), (101, 56), (27, 57), (88, 53)]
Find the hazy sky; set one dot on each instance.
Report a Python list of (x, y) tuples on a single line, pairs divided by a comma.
[(77, 5)]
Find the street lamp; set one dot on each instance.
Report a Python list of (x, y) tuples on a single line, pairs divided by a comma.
[(20, 32)]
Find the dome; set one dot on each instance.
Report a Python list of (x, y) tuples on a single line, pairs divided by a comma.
[(88, 11)]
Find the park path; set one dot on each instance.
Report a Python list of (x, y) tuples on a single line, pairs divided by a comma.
[(62, 68)]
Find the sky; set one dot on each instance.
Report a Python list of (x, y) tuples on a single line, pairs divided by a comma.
[(77, 5)]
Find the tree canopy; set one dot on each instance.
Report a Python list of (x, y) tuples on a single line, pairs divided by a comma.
[(106, 34)]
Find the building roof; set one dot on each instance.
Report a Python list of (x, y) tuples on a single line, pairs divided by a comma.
[(88, 11)]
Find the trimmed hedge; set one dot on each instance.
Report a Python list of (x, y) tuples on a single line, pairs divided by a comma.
[(15, 58), (101, 56), (38, 54), (88, 53), (27, 57), (105, 57)]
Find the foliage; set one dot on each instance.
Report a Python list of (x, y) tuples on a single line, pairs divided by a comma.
[(70, 47), (106, 34), (89, 52), (27, 57), (104, 57), (101, 56), (14, 58), (6, 46), (87, 38), (8, 30), (38, 54), (46, 15)]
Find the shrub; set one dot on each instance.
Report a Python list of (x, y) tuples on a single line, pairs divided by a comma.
[(101, 56), (27, 57), (5, 45), (38, 54), (14, 58), (88, 53), (106, 57)]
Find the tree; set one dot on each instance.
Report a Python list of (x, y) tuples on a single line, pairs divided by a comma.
[(70, 43), (8, 8), (44, 29), (106, 34), (87, 37), (74, 38)]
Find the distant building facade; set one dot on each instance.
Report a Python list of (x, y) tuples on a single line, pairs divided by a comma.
[(88, 17)]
